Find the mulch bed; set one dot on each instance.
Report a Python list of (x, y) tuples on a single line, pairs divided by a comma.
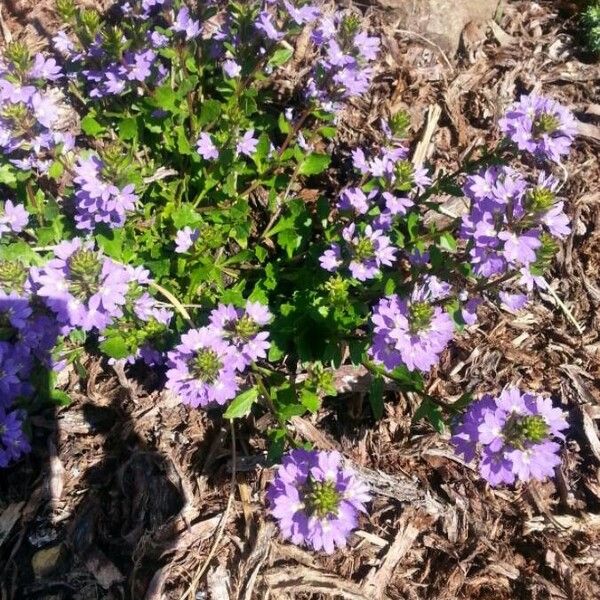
[(124, 494)]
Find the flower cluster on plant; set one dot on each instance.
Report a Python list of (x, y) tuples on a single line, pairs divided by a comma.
[(199, 215)]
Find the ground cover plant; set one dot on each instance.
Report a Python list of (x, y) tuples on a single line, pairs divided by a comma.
[(212, 227)]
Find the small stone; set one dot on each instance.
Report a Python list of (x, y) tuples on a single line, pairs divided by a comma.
[(47, 560)]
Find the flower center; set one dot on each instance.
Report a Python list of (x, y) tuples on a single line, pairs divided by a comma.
[(12, 275), (404, 172), (85, 269), (545, 123), (364, 249), (206, 365), (544, 254), (322, 498), (541, 198), (520, 429), (420, 314), (246, 328), (337, 288)]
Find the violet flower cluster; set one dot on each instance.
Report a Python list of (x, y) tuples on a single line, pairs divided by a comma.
[(30, 133), (540, 126), (203, 368), (316, 500), (13, 218), (81, 286), (28, 335), (98, 200), (413, 331), (511, 436), (346, 68), (121, 60)]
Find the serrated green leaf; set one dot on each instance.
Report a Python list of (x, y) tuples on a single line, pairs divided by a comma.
[(115, 347), (128, 128), (314, 163), (210, 111), (242, 404), (56, 170), (281, 56), (91, 127), (310, 400)]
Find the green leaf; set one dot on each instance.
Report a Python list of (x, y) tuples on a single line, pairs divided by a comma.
[(111, 241), (310, 400), (7, 175), (91, 127), (284, 124), (165, 98), (128, 128), (281, 56), (115, 347), (210, 111), (242, 404), (185, 215), (447, 242), (314, 163), (61, 398), (376, 397), (431, 412), (183, 145), (56, 170)]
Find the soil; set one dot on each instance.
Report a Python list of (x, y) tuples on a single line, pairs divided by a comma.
[(130, 495)]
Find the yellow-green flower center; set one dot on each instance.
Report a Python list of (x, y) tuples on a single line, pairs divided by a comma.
[(541, 198), (364, 249), (337, 288), (85, 269), (206, 365), (520, 429), (545, 123), (420, 314), (246, 328), (12, 275), (322, 498)]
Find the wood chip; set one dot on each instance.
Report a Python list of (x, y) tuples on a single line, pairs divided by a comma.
[(10, 515), (299, 579), (377, 580)]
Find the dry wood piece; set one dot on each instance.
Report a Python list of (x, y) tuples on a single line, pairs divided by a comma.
[(250, 568), (217, 582), (376, 582), (303, 579), (10, 515)]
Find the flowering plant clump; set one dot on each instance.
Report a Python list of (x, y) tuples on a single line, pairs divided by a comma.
[(512, 436), (316, 500), (173, 192)]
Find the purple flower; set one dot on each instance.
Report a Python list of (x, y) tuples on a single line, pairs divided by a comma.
[(13, 441), (264, 24), (396, 205), (410, 332), (13, 218), (303, 15), (98, 200), (367, 46), (247, 145), (316, 500), (331, 259), (242, 329), (45, 68), (202, 368), (355, 199), (232, 69), (81, 286), (513, 436), (512, 302), (206, 148), (540, 126), (185, 24), (139, 65), (520, 249), (368, 252), (185, 239)]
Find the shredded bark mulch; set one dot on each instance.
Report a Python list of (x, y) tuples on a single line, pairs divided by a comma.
[(130, 495)]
